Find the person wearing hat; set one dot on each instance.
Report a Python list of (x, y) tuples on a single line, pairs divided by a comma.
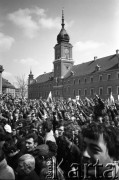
[(8, 128), (8, 132)]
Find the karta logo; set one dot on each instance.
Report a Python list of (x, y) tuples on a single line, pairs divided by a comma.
[(81, 171)]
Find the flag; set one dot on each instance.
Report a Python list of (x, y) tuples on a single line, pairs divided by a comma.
[(110, 99), (49, 99)]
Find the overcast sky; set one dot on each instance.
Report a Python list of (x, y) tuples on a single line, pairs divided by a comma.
[(29, 29)]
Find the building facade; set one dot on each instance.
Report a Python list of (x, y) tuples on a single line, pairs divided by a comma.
[(8, 88), (99, 76)]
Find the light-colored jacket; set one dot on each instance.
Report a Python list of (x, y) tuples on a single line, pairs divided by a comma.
[(6, 172)]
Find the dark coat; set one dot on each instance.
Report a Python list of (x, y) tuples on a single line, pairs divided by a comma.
[(31, 176)]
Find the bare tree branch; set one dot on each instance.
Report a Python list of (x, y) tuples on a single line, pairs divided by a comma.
[(21, 83)]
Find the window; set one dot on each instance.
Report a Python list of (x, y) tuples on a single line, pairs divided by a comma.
[(91, 79), (100, 90), (109, 90), (108, 77), (92, 91), (79, 92), (68, 89), (74, 93), (117, 75), (79, 81), (74, 81), (67, 67), (118, 90), (85, 92), (85, 80), (100, 78)]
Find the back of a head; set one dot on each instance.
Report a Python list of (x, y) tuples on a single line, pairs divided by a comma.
[(48, 125), (52, 148)]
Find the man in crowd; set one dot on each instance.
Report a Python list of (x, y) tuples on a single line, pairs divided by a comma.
[(31, 142), (101, 152), (6, 172)]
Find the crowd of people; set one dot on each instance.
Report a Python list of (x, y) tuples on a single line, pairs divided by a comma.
[(58, 139)]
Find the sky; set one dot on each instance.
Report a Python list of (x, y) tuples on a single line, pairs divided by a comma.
[(29, 29)]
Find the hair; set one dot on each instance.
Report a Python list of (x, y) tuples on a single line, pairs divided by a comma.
[(68, 133), (32, 135), (48, 125), (52, 148), (28, 162), (110, 136), (9, 147)]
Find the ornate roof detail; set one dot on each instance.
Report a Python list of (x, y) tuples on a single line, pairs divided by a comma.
[(63, 36)]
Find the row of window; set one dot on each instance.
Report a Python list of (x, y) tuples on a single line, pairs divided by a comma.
[(92, 79), (92, 91), (79, 81), (41, 86)]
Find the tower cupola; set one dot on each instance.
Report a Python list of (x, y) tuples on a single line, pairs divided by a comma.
[(63, 36), (31, 78)]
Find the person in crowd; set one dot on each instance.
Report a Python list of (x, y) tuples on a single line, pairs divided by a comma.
[(48, 127), (31, 142), (2, 137), (25, 169), (100, 151), (6, 172), (57, 127), (68, 152), (46, 162), (12, 153)]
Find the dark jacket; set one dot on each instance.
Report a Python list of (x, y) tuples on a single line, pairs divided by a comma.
[(31, 176)]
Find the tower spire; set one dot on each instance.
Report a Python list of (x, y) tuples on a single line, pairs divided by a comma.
[(63, 19), (30, 71)]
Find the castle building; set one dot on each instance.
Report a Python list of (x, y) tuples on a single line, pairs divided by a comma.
[(99, 76)]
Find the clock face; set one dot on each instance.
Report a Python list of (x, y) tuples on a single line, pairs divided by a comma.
[(66, 50)]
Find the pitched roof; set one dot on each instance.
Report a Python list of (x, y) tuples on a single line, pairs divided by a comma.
[(44, 77), (7, 84), (105, 63)]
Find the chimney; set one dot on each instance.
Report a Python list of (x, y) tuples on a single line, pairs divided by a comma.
[(117, 54), (95, 57), (117, 51)]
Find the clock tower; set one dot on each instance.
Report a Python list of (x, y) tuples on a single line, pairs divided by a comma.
[(63, 53)]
